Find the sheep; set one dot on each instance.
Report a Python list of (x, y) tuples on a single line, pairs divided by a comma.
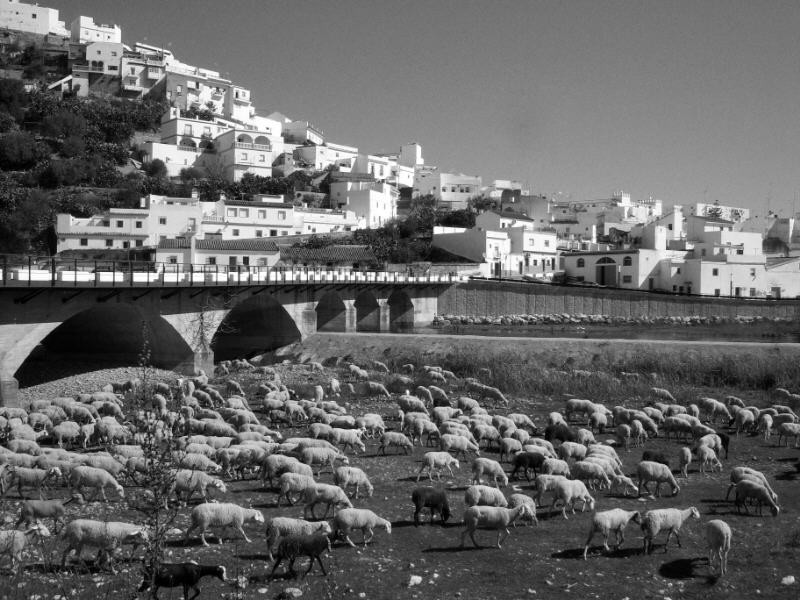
[(605, 522), (197, 462), (33, 510), (278, 527), (684, 460), (22, 445), (189, 481), (671, 519), (515, 500), (30, 477), (422, 427), (393, 438), (569, 491), (186, 574), (749, 489), (718, 538), (744, 421), (371, 423), (740, 473), (14, 542), (276, 464), (222, 514), (294, 545), (707, 457), (99, 479), (484, 495), (788, 430), (348, 437), (460, 444), (765, 426), (654, 456), (492, 517), (491, 468), (107, 463), (330, 495), (626, 483), (509, 447), (437, 461), (623, 435), (347, 476), (560, 432), (364, 519), (590, 472), (106, 536), (574, 450), (527, 460), (662, 394), (433, 498), (322, 457), (408, 404), (648, 471), (555, 466), (293, 483)]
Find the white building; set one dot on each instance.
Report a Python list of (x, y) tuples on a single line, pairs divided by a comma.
[(328, 154), (85, 30), (220, 256), (729, 213), (451, 190), (373, 201), (31, 18)]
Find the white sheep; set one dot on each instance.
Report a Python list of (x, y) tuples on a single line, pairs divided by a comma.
[(570, 491), (31, 477), (515, 500), (422, 427), (397, 439), (765, 426), (744, 421), (623, 435), (648, 471), (437, 461), (556, 466), (492, 468), (605, 522), (509, 447), (625, 483), (707, 457), (13, 542), (106, 536), (35, 510), (322, 457), (555, 418), (748, 489), (789, 430), (323, 493), (278, 527), (484, 495), (569, 450), (671, 519), (492, 517), (222, 514), (290, 483), (684, 460), (590, 473), (192, 482), (411, 404), (371, 423), (348, 437), (99, 479), (458, 443), (347, 476), (740, 473), (718, 538), (364, 519)]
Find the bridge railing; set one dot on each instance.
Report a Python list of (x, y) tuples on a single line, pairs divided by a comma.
[(31, 271)]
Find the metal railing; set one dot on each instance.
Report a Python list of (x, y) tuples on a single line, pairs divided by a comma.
[(56, 272)]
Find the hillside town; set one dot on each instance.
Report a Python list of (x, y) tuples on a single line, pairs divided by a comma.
[(211, 128)]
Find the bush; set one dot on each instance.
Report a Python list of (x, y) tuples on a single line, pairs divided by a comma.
[(19, 150), (156, 168), (64, 124), (72, 146)]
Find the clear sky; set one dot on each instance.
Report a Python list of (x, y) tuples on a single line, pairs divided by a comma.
[(683, 100)]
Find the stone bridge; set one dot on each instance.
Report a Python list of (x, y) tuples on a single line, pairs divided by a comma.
[(188, 321)]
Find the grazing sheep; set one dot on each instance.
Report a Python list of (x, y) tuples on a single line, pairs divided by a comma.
[(546, 483), (293, 483), (422, 427), (34, 510), (348, 438), (740, 473), (222, 514), (765, 426), (574, 450), (744, 421), (527, 460), (569, 491), (459, 443), (14, 542), (789, 430), (684, 460), (707, 457), (509, 447), (515, 500), (373, 389), (560, 432), (671, 519), (347, 476), (555, 466), (653, 456), (187, 575), (662, 394), (484, 495), (626, 483), (648, 471), (364, 519), (433, 498), (278, 527), (412, 403), (192, 482), (747, 489), (293, 545), (99, 479), (30, 477), (323, 493), (371, 423), (437, 461), (106, 536), (322, 457), (590, 473), (718, 538), (605, 522), (491, 468), (393, 438), (492, 517), (623, 435)]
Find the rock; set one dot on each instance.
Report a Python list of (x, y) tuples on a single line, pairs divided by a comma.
[(414, 580), (293, 592), (788, 580)]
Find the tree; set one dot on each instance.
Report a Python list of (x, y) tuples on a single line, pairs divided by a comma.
[(19, 150), (13, 98), (156, 168), (64, 124), (72, 146)]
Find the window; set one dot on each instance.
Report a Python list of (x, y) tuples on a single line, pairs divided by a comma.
[(109, 243), (231, 212), (627, 278), (138, 224), (669, 226), (245, 260), (84, 242), (282, 215), (106, 223), (162, 238), (262, 214), (752, 292), (244, 155), (547, 243), (113, 53), (716, 292), (703, 252), (162, 220), (580, 278), (244, 213), (259, 233), (173, 260), (581, 263), (740, 251), (678, 271), (235, 233), (211, 260), (187, 130), (133, 71), (273, 232), (714, 272), (139, 243), (627, 261), (752, 272), (674, 288), (120, 224), (444, 188), (207, 131), (179, 89), (261, 158), (126, 245)]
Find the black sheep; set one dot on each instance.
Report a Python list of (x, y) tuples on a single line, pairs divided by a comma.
[(433, 498), (527, 460), (301, 544), (658, 457), (560, 432), (726, 440), (186, 574)]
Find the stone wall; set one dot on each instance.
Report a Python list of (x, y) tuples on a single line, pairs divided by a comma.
[(498, 298)]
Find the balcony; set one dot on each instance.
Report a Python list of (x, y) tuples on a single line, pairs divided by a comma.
[(87, 68), (154, 74), (132, 87), (246, 146)]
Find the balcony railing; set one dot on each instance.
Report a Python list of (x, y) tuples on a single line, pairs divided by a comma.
[(55, 272), (246, 146), (86, 67)]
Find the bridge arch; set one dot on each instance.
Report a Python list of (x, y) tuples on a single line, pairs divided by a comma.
[(401, 312), (331, 313), (254, 326), (368, 312), (105, 336)]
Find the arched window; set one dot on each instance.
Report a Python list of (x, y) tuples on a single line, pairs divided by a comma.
[(581, 263), (627, 261)]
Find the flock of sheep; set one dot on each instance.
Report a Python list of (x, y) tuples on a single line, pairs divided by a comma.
[(215, 434)]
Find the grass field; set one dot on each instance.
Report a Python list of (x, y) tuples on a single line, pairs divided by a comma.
[(541, 561)]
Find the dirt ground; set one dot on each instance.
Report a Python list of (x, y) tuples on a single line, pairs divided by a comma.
[(543, 561)]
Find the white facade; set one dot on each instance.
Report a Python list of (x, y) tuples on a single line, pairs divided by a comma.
[(451, 190), (85, 30), (247, 150), (329, 154), (729, 213), (373, 202), (31, 18)]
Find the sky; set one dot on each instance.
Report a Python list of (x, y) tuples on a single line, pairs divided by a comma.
[(683, 100)]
